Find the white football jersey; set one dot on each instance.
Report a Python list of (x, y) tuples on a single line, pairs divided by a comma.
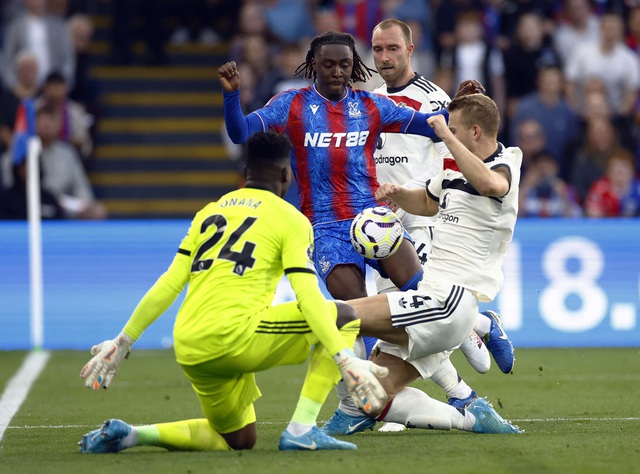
[(411, 159), (473, 232)]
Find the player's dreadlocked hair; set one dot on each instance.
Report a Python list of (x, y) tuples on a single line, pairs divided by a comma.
[(359, 73)]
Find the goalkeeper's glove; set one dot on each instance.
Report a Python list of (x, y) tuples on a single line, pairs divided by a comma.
[(107, 357), (360, 379)]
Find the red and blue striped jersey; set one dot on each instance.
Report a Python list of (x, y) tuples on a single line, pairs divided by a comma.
[(333, 145)]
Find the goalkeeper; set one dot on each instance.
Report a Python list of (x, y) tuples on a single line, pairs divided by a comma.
[(233, 256)]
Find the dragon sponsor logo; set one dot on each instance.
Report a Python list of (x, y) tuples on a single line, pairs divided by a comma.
[(449, 218), (391, 160)]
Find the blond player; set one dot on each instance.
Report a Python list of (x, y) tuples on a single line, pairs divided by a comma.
[(475, 198)]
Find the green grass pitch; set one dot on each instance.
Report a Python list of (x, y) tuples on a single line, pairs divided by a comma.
[(579, 408)]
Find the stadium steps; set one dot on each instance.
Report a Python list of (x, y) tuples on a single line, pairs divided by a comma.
[(159, 152)]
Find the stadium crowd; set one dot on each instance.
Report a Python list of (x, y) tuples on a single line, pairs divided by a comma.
[(46, 92), (564, 73)]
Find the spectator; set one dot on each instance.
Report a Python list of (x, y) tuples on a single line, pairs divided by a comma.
[(13, 201), (617, 193), (288, 20), (251, 23), (543, 193), (47, 36), (358, 18), (252, 19), (446, 17), (610, 61), (632, 39), (510, 13), (589, 161), (528, 53), (548, 107), (62, 171), (474, 58), (596, 104), (577, 25), (75, 122), (257, 54), (59, 8), (283, 76), (531, 140), (81, 31), (26, 87), (324, 20)]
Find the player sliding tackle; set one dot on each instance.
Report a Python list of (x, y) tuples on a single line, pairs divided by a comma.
[(475, 196), (234, 255)]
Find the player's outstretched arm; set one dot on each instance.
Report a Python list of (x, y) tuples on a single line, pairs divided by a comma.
[(110, 354), (419, 125), (414, 201)]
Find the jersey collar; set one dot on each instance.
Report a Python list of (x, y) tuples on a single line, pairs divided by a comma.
[(346, 94), (495, 154), (393, 90)]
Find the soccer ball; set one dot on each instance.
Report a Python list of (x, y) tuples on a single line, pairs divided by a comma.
[(376, 232)]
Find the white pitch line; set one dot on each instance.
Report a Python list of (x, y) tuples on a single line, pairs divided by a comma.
[(535, 420), (18, 387), (515, 420)]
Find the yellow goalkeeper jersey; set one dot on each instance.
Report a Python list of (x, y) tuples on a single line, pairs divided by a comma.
[(233, 257)]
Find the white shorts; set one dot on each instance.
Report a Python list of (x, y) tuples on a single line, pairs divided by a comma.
[(426, 365), (422, 242), (438, 317)]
